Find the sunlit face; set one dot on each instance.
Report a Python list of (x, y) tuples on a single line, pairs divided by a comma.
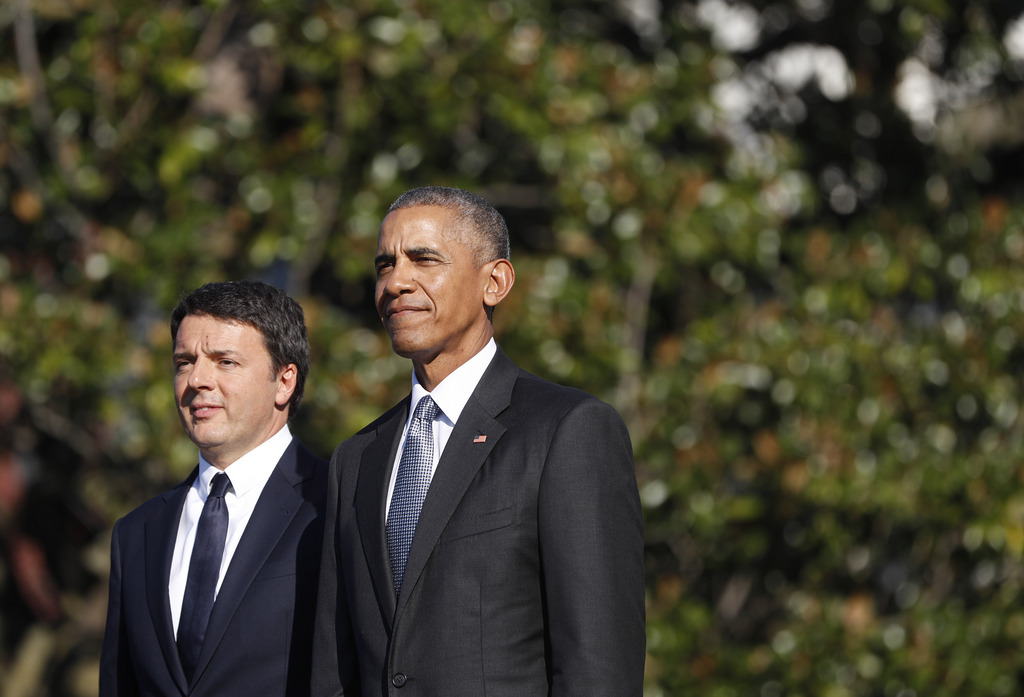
[(430, 289), (229, 398)]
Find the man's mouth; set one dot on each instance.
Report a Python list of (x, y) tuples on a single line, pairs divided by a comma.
[(401, 311)]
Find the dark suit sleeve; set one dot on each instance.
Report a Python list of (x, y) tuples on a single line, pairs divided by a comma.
[(335, 671), (116, 676), (591, 543)]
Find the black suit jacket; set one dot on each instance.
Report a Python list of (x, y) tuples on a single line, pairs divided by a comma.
[(259, 638), (525, 576)]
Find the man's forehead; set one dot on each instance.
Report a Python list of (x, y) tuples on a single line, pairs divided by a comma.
[(408, 239), (208, 327), (426, 219)]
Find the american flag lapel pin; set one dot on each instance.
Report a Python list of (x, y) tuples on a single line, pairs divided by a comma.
[(480, 439)]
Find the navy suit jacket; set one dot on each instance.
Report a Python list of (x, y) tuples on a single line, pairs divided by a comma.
[(259, 640), (525, 575)]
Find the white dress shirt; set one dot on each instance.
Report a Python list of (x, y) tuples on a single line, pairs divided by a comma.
[(248, 475), (450, 395)]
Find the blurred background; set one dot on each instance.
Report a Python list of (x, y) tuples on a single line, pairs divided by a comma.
[(783, 238)]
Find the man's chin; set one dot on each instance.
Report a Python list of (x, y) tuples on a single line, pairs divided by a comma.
[(416, 354), (206, 442), (403, 346)]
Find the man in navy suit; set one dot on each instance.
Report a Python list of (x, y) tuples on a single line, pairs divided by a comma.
[(241, 622), (524, 573)]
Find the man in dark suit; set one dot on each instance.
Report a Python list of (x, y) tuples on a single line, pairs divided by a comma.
[(524, 574), (213, 583)]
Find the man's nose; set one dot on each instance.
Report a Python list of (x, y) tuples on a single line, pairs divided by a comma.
[(201, 375), (399, 279)]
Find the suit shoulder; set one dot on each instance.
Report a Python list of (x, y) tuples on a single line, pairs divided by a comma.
[(311, 479), (307, 459), (550, 398), (368, 433), (145, 510), (372, 427)]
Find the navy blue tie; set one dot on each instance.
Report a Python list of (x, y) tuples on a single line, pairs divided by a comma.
[(411, 486), (203, 571)]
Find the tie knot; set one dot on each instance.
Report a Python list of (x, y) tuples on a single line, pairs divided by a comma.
[(427, 409), (219, 485)]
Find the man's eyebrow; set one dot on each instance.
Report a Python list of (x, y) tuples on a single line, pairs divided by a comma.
[(422, 252), (412, 252), (215, 353)]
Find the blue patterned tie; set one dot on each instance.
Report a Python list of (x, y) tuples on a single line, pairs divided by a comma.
[(203, 571), (410, 487)]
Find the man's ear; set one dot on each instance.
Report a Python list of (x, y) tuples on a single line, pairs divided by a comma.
[(499, 281), (286, 380)]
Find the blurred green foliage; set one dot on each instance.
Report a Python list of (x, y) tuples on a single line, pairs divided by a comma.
[(784, 239)]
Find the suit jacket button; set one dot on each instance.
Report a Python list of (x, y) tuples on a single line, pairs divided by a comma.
[(399, 680)]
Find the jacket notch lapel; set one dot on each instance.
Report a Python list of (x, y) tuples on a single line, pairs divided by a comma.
[(375, 467), (463, 456), (161, 533)]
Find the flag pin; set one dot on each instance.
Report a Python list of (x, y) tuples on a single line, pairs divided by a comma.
[(480, 439)]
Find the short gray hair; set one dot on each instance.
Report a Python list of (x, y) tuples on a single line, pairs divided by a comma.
[(482, 226)]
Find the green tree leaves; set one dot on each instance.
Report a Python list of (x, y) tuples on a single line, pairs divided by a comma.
[(784, 240)]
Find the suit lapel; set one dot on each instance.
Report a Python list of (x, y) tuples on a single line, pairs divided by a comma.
[(278, 503), (462, 458), (161, 532), (371, 497)]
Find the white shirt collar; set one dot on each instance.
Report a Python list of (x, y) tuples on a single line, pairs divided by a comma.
[(452, 393), (251, 469)]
